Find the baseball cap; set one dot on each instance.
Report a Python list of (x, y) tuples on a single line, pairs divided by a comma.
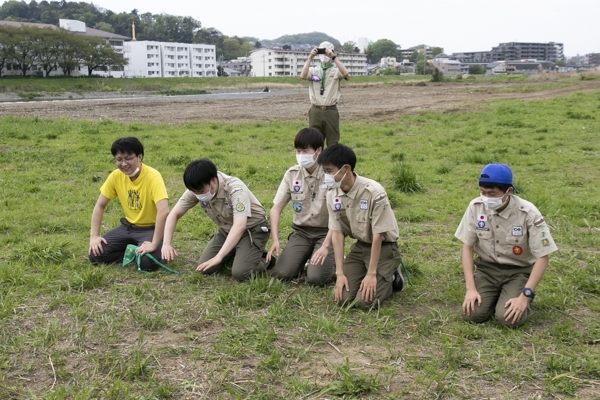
[(497, 173)]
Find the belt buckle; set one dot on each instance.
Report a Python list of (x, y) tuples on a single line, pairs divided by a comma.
[(323, 107)]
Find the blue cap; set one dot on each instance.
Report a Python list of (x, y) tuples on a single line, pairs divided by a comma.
[(497, 173)]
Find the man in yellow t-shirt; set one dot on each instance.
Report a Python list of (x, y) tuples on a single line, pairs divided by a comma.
[(143, 197)]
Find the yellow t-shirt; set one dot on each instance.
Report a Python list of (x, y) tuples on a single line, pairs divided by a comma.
[(138, 199)]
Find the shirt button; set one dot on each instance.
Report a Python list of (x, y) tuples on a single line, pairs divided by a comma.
[(497, 241), (497, 226)]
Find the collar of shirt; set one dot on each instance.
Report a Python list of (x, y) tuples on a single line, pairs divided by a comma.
[(505, 214), (354, 189)]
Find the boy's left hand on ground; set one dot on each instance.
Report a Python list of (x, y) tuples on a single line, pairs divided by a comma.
[(216, 260), (368, 287), (318, 258), (515, 308)]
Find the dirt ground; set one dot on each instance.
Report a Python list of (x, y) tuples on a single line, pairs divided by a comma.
[(376, 102)]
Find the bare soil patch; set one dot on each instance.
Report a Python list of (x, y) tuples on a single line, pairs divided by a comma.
[(359, 102)]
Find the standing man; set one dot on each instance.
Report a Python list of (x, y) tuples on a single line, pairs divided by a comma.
[(359, 207), (143, 197), (512, 242), (303, 185), (243, 230), (324, 91)]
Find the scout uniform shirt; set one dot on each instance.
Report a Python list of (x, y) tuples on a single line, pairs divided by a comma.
[(516, 236), (362, 212), (331, 95), (308, 194), (138, 198), (233, 199)]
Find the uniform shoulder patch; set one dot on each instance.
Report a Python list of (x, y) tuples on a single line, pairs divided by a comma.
[(539, 222), (380, 198), (235, 190)]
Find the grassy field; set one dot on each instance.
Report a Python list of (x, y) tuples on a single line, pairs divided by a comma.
[(31, 86), (72, 330)]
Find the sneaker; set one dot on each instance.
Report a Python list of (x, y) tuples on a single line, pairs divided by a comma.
[(271, 263), (398, 280)]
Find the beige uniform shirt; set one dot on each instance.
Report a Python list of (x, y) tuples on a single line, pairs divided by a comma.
[(232, 200), (308, 194), (362, 212), (516, 236), (331, 94)]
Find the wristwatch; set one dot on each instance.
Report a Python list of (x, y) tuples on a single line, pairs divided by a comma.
[(528, 293), (333, 58)]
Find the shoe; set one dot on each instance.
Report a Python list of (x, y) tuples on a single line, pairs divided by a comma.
[(397, 281), (271, 263)]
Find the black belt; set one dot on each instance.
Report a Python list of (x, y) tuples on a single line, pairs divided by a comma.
[(333, 107)]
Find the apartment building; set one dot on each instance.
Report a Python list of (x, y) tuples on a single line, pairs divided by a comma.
[(510, 51), (447, 67), (276, 62), (169, 60)]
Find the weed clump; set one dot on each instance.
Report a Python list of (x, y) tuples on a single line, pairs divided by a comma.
[(405, 179)]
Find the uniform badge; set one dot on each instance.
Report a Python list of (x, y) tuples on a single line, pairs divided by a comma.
[(380, 198), (364, 205), (205, 204), (323, 186), (337, 203), (297, 206), (517, 250), (297, 185), (517, 230), (539, 222), (239, 207), (227, 205), (545, 242), (481, 224), (482, 217)]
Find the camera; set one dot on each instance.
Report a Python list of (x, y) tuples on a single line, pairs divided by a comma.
[(321, 51)]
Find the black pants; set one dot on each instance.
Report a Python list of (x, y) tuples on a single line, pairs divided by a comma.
[(117, 240)]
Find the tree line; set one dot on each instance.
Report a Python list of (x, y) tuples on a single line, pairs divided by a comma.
[(49, 49), (148, 26)]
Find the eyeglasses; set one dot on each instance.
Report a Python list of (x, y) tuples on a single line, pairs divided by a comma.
[(125, 160)]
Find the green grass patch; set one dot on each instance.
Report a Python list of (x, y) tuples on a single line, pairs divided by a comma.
[(72, 330)]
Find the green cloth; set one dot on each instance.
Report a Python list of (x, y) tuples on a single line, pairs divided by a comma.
[(131, 255), (323, 74)]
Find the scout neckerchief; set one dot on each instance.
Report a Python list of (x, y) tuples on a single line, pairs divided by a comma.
[(131, 255), (323, 74)]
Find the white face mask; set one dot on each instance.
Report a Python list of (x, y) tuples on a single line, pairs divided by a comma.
[(134, 173), (330, 180), (306, 160), (492, 203), (205, 196), (324, 59)]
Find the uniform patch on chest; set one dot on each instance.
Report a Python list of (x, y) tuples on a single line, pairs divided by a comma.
[(517, 250), (297, 185), (323, 186), (364, 205), (297, 206), (480, 224), (517, 230), (337, 203), (482, 217), (227, 205), (205, 204)]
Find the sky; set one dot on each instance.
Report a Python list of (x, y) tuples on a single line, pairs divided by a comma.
[(456, 26)]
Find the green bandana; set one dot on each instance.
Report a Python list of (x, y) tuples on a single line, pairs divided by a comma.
[(323, 74), (131, 255)]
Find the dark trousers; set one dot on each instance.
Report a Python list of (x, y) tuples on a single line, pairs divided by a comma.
[(496, 285), (302, 243), (355, 269), (247, 254), (117, 240), (327, 122)]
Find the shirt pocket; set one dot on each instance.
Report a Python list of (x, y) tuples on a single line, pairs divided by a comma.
[(298, 197)]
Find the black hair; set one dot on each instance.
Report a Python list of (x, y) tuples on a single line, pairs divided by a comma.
[(199, 173), (127, 145), (491, 185), (338, 155), (308, 137)]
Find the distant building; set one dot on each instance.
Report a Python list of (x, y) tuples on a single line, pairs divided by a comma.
[(519, 67), (594, 58), (362, 44), (243, 65), (167, 59), (447, 67), (275, 62), (509, 51), (422, 49)]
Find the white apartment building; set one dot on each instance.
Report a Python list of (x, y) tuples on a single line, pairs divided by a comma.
[(168, 60), (447, 67), (275, 62)]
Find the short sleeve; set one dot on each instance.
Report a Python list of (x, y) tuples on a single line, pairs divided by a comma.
[(240, 201)]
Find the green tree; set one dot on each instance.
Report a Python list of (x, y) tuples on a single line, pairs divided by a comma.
[(47, 48), (383, 48), (437, 50), (70, 55), (7, 43), (104, 26), (476, 69), (349, 47), (423, 68), (437, 76), (209, 36), (98, 54), (231, 48), (387, 71), (24, 48)]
